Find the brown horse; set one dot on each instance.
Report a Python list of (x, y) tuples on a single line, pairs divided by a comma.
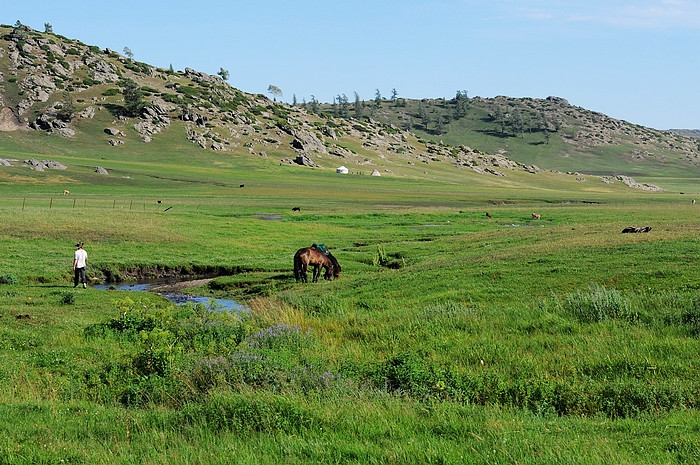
[(311, 256)]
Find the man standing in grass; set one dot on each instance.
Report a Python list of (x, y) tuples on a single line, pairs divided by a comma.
[(79, 262)]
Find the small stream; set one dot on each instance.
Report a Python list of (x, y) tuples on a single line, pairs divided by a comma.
[(178, 298)]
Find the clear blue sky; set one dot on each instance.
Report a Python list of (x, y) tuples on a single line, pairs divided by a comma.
[(635, 60)]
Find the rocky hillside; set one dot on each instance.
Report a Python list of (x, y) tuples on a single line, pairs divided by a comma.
[(69, 89), (528, 129)]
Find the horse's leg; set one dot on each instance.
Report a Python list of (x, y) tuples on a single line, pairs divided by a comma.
[(304, 278), (317, 271)]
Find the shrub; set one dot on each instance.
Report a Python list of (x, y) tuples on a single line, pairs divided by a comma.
[(691, 318), (599, 304), (68, 298), (9, 279)]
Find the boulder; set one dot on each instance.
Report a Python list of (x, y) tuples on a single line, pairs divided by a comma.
[(66, 132), (87, 113), (38, 165), (303, 160)]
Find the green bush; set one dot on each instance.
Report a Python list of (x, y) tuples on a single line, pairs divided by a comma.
[(68, 298), (9, 279), (599, 304)]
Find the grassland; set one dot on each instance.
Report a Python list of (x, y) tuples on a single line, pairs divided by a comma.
[(449, 337)]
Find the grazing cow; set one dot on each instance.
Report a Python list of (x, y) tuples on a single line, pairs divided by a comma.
[(159, 202), (242, 185), (632, 229), (296, 209), (535, 216), (66, 192), (693, 202), (488, 215)]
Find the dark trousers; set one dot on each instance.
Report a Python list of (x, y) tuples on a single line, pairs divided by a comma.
[(79, 276)]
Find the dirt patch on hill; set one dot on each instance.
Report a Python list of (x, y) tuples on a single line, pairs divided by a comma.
[(9, 122)]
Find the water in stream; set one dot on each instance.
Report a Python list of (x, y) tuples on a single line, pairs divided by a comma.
[(177, 298)]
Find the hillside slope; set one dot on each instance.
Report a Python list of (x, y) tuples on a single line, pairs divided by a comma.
[(550, 133), (76, 92)]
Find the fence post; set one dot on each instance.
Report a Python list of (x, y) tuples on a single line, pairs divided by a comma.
[(114, 204), (74, 203), (23, 202), (51, 203)]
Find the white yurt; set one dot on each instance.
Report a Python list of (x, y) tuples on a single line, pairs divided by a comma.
[(376, 173), (341, 170)]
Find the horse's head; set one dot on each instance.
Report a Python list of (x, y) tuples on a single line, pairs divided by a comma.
[(333, 270)]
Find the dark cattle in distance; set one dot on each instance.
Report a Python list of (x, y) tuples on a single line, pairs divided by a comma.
[(632, 229), (488, 215), (296, 209), (242, 185)]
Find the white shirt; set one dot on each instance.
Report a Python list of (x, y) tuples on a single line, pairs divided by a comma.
[(80, 257)]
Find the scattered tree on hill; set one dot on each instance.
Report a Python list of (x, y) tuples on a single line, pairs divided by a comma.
[(48, 29), (133, 98), (314, 104), (423, 114), (461, 104), (275, 91), (394, 94), (223, 73), (377, 98), (439, 124), (19, 31), (128, 53), (517, 123), (544, 126), (499, 116), (171, 70), (341, 109), (294, 100), (358, 106)]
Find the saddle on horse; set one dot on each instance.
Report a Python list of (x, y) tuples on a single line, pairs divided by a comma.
[(320, 247)]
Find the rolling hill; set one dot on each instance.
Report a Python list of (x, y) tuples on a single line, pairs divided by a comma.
[(84, 96)]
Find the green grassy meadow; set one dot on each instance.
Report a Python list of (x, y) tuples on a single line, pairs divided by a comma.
[(448, 338)]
